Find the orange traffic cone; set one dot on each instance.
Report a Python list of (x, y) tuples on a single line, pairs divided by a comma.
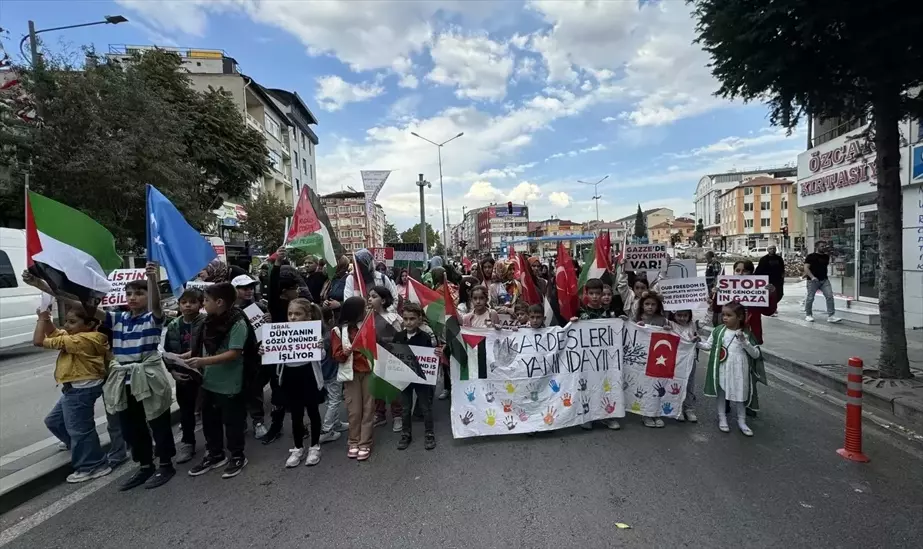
[(852, 448)]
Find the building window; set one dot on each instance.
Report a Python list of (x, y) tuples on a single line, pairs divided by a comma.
[(765, 190), (765, 222), (748, 206), (297, 186), (304, 164), (748, 191), (748, 223), (765, 206), (310, 148), (783, 189), (784, 202), (303, 139), (273, 127), (296, 159), (312, 173), (275, 160)]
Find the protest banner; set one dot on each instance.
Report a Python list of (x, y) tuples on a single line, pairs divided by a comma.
[(680, 294), (645, 257), (745, 289), (553, 378), (286, 342), (507, 321), (681, 268), (115, 297), (398, 364), (256, 317)]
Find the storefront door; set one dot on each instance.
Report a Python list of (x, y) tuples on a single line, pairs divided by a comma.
[(867, 253)]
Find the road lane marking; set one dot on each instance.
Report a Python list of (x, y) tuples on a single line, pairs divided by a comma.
[(38, 446)]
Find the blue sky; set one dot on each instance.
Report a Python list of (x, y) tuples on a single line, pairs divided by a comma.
[(546, 92)]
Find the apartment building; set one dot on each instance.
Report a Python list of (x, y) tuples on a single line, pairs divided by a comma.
[(710, 188), (552, 228), (354, 226), (302, 139), (663, 233), (652, 217), (754, 214)]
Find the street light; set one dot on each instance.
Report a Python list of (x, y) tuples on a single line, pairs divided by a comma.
[(33, 42), (596, 195), (423, 183), (441, 192)]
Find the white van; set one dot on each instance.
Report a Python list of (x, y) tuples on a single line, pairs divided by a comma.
[(18, 301)]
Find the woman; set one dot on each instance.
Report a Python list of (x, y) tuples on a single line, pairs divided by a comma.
[(504, 290), (215, 272), (401, 287), (365, 263), (485, 270)]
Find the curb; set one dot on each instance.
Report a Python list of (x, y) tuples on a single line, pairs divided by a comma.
[(31, 481)]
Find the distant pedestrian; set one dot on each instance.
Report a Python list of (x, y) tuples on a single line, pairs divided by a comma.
[(815, 268), (773, 266), (713, 268)]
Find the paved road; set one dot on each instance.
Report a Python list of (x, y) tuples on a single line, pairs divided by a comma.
[(685, 485)]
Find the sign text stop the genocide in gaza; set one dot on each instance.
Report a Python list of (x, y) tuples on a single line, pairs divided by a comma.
[(288, 342), (745, 289), (645, 257)]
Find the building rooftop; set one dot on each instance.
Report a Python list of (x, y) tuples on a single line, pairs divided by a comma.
[(783, 171), (645, 213), (759, 182)]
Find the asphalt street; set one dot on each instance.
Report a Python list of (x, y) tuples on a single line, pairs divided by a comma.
[(685, 485)]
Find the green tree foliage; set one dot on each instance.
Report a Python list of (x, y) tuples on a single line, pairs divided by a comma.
[(391, 235), (109, 129), (699, 235), (413, 235), (265, 222), (640, 224), (839, 61)]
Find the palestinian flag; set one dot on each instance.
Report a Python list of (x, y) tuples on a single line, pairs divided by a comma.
[(309, 234), (394, 366), (454, 345), (596, 264), (433, 303), (472, 362), (67, 249)]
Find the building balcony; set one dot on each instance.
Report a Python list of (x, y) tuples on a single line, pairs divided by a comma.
[(253, 122)]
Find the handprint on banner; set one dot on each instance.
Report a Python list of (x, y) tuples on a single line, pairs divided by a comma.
[(510, 388), (553, 383), (469, 392), (505, 353), (507, 406), (639, 393), (491, 418), (510, 423), (626, 382), (523, 415), (467, 418), (608, 405), (675, 389), (550, 415), (489, 395), (585, 404), (667, 408), (581, 384), (660, 389), (636, 407), (607, 385), (533, 391), (567, 400)]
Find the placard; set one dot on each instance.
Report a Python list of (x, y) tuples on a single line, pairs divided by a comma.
[(681, 268), (115, 297), (645, 257), (507, 321), (256, 317), (749, 290), (198, 285), (681, 294), (287, 342), (398, 363)]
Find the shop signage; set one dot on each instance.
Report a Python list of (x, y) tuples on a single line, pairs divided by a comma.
[(916, 164), (842, 166)]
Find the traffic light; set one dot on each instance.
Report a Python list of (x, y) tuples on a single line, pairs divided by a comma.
[(509, 208)]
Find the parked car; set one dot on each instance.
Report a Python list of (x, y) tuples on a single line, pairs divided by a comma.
[(756, 253), (18, 300)]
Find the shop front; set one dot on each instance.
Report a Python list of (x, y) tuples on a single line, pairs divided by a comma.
[(837, 191)]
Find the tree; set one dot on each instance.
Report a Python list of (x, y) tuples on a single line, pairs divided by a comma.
[(858, 59), (265, 222), (391, 235), (699, 235), (413, 235), (640, 224)]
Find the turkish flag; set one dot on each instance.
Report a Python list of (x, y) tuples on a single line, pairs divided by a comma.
[(661, 356), (565, 281)]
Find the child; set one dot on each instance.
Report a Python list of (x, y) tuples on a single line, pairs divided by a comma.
[(412, 335), (387, 325), (143, 408), (301, 384), (681, 324), (536, 316), (650, 311), (522, 313), (734, 366), (607, 296), (177, 341), (630, 294), (360, 406), (81, 369), (219, 348), (480, 316), (593, 310)]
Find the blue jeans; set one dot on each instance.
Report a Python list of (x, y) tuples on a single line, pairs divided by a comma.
[(73, 421), (825, 289), (334, 402), (118, 450)]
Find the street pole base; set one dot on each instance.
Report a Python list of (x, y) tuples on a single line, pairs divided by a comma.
[(853, 456)]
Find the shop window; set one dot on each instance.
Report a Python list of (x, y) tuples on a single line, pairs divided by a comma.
[(837, 227)]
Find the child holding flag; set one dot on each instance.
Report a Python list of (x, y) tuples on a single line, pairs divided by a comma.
[(413, 335)]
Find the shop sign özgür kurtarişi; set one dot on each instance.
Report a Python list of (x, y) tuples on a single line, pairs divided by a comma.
[(853, 163)]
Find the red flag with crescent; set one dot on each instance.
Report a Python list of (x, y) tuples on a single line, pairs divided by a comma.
[(661, 356)]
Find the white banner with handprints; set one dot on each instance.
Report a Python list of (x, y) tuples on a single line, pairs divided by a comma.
[(528, 380)]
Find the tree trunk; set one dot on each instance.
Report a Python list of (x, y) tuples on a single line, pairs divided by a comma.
[(892, 361)]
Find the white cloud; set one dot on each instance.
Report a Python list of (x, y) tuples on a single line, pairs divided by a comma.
[(765, 136), (576, 152), (403, 68), (476, 65), (482, 190), (334, 93), (562, 200), (525, 192), (610, 119)]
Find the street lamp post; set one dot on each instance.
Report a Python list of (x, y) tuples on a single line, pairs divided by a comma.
[(441, 191), (596, 195), (423, 183)]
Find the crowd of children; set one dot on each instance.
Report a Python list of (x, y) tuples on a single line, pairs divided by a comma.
[(212, 352)]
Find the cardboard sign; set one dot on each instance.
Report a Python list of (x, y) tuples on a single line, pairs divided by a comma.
[(748, 290), (383, 255), (287, 342), (507, 321), (681, 294), (115, 297), (681, 268), (393, 367), (255, 315), (645, 257)]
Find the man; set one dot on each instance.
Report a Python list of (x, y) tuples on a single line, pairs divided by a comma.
[(815, 269), (773, 266), (713, 268), (316, 277)]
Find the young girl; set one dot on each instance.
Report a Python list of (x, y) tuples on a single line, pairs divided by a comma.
[(630, 294), (387, 325), (360, 406), (607, 297), (650, 310), (301, 384), (504, 290), (480, 316), (734, 366), (681, 324), (81, 370)]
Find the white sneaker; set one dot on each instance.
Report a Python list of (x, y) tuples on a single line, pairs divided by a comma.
[(329, 436), (77, 478), (723, 425), (809, 318), (612, 423), (398, 425), (691, 417), (745, 429), (344, 426), (259, 431), (313, 456), (62, 447), (659, 422), (833, 319), (443, 395), (294, 457)]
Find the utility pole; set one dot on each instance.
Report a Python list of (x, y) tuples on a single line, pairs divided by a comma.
[(596, 195), (423, 183), (441, 188)]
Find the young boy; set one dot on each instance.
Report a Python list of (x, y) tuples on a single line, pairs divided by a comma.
[(595, 309), (143, 408), (177, 341), (412, 335), (218, 349), (521, 310), (536, 316)]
